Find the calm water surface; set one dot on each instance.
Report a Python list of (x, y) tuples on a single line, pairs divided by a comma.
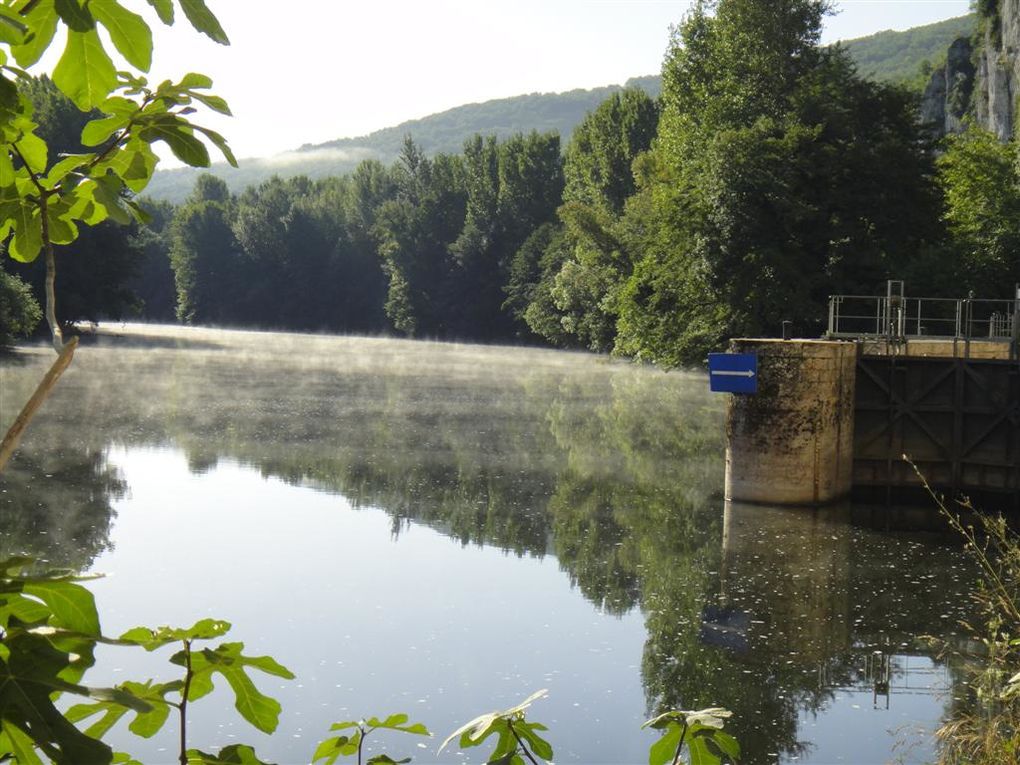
[(442, 529)]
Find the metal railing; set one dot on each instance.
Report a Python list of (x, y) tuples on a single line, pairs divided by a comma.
[(896, 317)]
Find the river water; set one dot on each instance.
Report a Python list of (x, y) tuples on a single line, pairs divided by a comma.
[(443, 529)]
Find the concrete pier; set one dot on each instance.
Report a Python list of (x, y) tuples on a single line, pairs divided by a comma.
[(792, 442)]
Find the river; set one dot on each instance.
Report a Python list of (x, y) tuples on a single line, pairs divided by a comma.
[(442, 529)]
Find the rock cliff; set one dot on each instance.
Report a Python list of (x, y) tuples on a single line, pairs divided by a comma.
[(998, 70), (981, 80), (950, 91)]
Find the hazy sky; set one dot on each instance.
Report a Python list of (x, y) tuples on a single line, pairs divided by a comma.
[(308, 71)]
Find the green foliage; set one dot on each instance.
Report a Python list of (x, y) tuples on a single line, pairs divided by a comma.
[(779, 178), (235, 754), (516, 737), (907, 57), (44, 196), (987, 730), (598, 160), (48, 630), (701, 732), (442, 133), (348, 745), (19, 312), (981, 184)]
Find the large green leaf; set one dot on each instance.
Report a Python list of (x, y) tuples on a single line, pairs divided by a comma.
[(28, 678), (107, 194), (134, 164), (194, 80), (220, 143), (227, 660), (130, 34), (332, 749), (203, 20), (145, 723), (73, 606), (43, 20), (34, 151), (215, 103), (664, 749), (98, 131), (85, 73), (151, 639), (13, 28), (75, 15), (164, 9), (538, 745), (397, 722), (178, 135), (20, 744), (59, 172), (27, 241), (235, 754)]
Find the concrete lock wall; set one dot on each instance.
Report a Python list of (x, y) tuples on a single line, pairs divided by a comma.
[(791, 443)]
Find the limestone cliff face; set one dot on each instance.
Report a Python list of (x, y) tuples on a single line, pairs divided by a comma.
[(998, 72), (984, 82), (948, 96)]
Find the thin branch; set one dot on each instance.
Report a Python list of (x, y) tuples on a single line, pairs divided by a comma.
[(184, 703), (51, 261), (680, 744), (520, 743), (42, 392)]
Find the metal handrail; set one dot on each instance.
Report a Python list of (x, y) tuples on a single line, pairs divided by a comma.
[(896, 317)]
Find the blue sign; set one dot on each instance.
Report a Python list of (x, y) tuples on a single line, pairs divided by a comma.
[(733, 372)]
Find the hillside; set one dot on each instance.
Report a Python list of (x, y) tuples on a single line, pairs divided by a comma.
[(442, 132), (898, 57), (886, 57)]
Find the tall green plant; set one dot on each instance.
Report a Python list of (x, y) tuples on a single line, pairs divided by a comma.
[(989, 734)]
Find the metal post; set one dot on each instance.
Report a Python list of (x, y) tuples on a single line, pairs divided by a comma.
[(1014, 345)]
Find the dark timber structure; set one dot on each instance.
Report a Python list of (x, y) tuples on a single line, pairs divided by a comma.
[(939, 381), (935, 380)]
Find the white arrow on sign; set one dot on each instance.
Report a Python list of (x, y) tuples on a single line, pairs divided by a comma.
[(733, 373)]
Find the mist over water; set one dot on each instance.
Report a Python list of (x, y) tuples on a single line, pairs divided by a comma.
[(442, 529)]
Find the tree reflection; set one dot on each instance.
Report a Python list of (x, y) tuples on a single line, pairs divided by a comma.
[(55, 506)]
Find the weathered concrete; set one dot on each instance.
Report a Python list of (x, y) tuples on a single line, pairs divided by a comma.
[(792, 442), (940, 348)]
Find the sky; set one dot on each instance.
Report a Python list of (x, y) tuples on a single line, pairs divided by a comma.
[(308, 71)]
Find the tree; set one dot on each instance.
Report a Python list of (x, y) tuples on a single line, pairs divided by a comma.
[(513, 188), (780, 177), (153, 285), (203, 254), (19, 311), (602, 149), (44, 197), (979, 177), (577, 303), (98, 266), (416, 229)]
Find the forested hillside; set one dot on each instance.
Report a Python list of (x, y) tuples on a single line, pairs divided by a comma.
[(908, 57), (895, 57), (445, 132), (752, 190)]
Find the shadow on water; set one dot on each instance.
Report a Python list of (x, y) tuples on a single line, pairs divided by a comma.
[(13, 357)]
